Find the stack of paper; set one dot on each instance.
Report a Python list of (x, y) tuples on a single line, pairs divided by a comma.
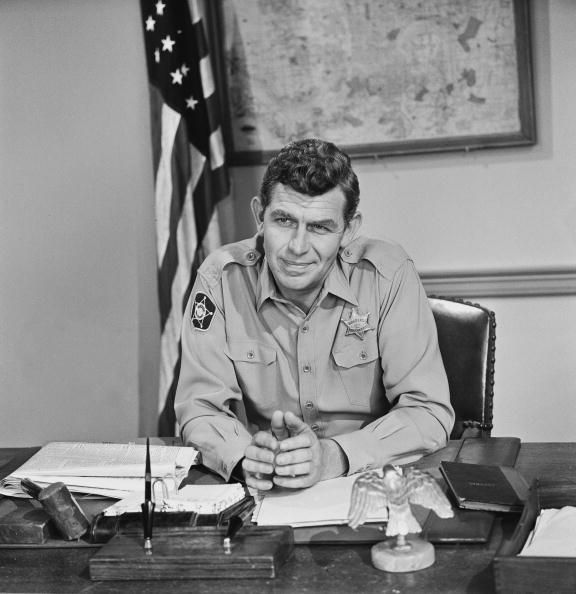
[(202, 499), (326, 503), (103, 469), (554, 534)]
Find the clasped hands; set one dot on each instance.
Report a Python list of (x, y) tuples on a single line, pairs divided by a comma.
[(290, 455)]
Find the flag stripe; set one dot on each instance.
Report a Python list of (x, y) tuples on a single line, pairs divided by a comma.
[(179, 168), (180, 286), (190, 167), (168, 128)]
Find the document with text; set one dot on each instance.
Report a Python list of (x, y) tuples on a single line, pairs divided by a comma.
[(102, 469)]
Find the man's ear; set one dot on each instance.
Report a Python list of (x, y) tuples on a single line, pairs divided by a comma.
[(257, 211), (352, 229)]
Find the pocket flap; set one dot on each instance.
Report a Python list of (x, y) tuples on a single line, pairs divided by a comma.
[(249, 351), (356, 354)]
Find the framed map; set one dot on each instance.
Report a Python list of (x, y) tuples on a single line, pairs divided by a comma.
[(376, 77)]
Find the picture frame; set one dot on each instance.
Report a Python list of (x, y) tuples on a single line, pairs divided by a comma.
[(376, 78)]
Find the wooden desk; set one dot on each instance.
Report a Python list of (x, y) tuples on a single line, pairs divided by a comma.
[(313, 569)]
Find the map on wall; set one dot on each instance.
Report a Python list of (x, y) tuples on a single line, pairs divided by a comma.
[(384, 76)]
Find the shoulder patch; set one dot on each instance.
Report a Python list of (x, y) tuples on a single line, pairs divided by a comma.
[(202, 311)]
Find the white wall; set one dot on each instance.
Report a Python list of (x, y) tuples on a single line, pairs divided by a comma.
[(78, 320), (75, 181)]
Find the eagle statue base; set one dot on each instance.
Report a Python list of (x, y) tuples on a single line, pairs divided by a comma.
[(394, 490), (411, 554)]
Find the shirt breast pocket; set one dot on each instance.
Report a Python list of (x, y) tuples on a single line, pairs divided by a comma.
[(358, 365), (255, 365)]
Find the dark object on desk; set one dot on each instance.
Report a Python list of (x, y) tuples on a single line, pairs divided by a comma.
[(105, 527), (532, 574), (61, 507), (148, 505), (467, 526), (24, 524), (485, 487), (236, 521), (492, 451), (467, 340), (195, 553)]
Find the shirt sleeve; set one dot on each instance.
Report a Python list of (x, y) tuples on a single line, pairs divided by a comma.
[(421, 416), (208, 402)]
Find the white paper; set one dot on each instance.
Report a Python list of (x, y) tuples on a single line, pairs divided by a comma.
[(326, 503), (106, 469), (202, 499), (554, 534)]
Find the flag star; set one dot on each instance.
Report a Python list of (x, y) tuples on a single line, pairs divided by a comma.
[(157, 55), (191, 103), (184, 70), (150, 23), (160, 6), (176, 77), (167, 44)]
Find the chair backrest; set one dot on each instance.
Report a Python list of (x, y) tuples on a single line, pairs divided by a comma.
[(467, 339)]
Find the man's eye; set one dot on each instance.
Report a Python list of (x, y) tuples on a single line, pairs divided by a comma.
[(319, 228), (283, 221)]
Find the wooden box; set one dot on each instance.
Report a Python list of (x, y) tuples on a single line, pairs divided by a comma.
[(198, 552), (531, 574)]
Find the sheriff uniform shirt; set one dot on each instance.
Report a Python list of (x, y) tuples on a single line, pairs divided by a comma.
[(363, 367)]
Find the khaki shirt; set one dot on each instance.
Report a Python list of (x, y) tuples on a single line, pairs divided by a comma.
[(363, 367)]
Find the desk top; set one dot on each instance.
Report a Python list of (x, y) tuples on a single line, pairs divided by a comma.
[(317, 568)]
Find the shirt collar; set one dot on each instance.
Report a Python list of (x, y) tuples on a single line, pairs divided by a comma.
[(335, 283)]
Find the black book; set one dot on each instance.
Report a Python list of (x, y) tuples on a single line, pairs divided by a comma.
[(485, 487)]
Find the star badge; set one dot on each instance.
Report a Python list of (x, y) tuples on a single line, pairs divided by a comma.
[(202, 311), (357, 323)]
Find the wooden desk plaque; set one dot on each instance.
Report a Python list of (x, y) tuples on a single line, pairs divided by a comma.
[(194, 553), (532, 574)]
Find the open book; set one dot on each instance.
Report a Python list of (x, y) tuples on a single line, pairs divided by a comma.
[(103, 469)]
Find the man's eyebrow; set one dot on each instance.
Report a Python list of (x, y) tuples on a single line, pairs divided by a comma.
[(278, 212)]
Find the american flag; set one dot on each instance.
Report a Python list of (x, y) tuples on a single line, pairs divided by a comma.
[(189, 168)]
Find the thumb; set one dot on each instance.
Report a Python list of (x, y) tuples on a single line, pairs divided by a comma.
[(294, 424), (277, 426)]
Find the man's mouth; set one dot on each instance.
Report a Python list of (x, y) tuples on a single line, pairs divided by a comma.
[(295, 266)]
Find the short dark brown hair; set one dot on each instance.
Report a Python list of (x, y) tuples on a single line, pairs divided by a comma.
[(312, 167)]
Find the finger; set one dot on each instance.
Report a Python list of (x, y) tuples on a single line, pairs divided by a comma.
[(256, 481), (297, 482), (278, 427), (290, 457), (263, 439), (304, 440), (293, 470), (257, 459)]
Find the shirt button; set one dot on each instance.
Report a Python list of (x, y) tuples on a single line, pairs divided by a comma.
[(314, 427), (251, 256), (348, 252), (363, 355), (250, 354), (305, 328), (309, 405), (306, 368)]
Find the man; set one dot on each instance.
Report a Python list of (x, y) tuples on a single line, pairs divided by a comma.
[(309, 352)]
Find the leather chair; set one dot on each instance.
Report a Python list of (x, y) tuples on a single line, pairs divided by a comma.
[(467, 339)]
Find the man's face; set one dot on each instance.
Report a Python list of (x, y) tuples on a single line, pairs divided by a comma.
[(302, 236)]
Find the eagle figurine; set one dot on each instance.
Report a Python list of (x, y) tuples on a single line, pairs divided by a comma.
[(394, 489)]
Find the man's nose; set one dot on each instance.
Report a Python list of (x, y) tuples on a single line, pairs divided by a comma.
[(299, 243)]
